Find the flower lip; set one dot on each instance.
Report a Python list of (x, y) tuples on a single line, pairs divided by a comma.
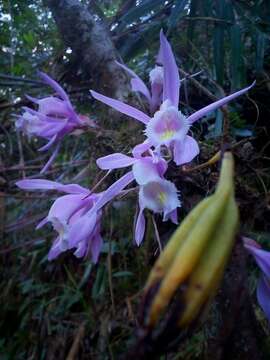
[(159, 196), (61, 226), (168, 124)]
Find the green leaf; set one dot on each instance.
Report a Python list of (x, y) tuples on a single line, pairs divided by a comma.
[(143, 9), (138, 42), (176, 12), (219, 40), (100, 282), (218, 124), (86, 275), (242, 132), (260, 50), (191, 25), (237, 65), (29, 39), (113, 248), (122, 274), (219, 53), (207, 8)]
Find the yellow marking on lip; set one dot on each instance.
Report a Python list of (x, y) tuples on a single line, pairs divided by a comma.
[(162, 197), (166, 135)]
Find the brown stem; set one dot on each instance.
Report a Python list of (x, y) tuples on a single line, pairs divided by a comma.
[(91, 44)]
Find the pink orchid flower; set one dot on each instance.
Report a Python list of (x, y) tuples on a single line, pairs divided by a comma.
[(169, 126), (262, 259), (77, 216), (155, 192), (54, 118)]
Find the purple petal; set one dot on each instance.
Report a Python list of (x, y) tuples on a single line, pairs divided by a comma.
[(122, 107), (250, 243), (43, 125), (41, 184), (42, 223), (31, 111), (185, 151), (127, 69), (51, 159), (33, 99), (261, 257), (65, 206), (146, 170), (140, 227), (96, 246), (48, 119), (202, 112), (37, 184), (263, 296), (48, 130), (114, 190), (115, 161), (47, 79), (55, 250), (138, 150), (156, 100), (53, 106), (73, 189), (137, 84), (82, 228), (173, 216), (161, 164), (171, 75), (49, 144), (82, 249)]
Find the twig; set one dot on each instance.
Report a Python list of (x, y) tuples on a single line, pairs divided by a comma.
[(199, 85), (25, 197), (73, 352), (15, 84), (98, 183), (206, 18), (257, 109), (12, 248), (33, 167), (20, 79), (20, 152), (109, 260), (10, 145), (214, 159), (156, 233)]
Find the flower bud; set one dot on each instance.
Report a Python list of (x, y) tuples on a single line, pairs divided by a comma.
[(188, 272)]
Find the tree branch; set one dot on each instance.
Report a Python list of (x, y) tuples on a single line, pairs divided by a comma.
[(91, 44)]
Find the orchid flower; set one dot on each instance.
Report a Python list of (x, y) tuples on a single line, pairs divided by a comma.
[(76, 216), (155, 192), (154, 97), (169, 126), (54, 118), (262, 259)]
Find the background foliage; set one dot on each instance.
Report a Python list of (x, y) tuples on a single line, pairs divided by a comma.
[(47, 306)]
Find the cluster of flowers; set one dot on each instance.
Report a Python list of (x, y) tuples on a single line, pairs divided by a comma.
[(77, 216), (54, 118)]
